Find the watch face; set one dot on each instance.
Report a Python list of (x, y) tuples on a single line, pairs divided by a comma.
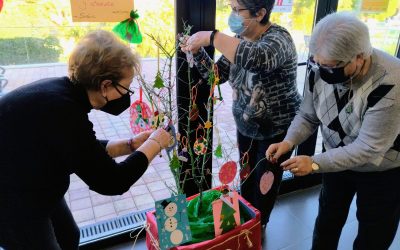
[(314, 166)]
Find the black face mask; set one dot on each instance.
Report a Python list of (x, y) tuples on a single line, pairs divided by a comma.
[(334, 75), (117, 106)]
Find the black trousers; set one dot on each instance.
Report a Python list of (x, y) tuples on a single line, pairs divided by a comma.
[(250, 188), (378, 208), (59, 231)]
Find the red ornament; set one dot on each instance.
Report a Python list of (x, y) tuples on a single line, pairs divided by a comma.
[(1, 4), (266, 182), (228, 172), (140, 116)]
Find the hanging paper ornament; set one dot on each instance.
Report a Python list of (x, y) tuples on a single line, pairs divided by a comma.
[(170, 127), (158, 82), (157, 119), (128, 29), (140, 115), (266, 181), (194, 112), (228, 172), (174, 162), (208, 125), (184, 155), (200, 145), (213, 81), (218, 151), (245, 167)]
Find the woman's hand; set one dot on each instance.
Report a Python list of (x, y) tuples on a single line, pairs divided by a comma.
[(139, 139), (162, 137), (194, 42), (298, 165), (157, 141), (276, 150)]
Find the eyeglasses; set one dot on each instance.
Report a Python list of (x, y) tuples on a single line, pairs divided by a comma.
[(115, 84), (237, 10), (316, 66)]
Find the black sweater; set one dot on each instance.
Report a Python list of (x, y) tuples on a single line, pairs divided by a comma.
[(45, 135)]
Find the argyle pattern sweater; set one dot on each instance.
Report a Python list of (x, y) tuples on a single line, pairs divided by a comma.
[(360, 122)]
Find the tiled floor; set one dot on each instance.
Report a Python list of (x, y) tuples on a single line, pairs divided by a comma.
[(291, 225)]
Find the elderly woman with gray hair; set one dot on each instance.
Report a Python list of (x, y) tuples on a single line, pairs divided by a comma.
[(352, 92)]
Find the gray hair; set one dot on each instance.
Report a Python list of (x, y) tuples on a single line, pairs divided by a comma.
[(340, 36)]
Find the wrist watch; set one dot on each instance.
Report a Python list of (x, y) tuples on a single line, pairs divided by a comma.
[(314, 166)]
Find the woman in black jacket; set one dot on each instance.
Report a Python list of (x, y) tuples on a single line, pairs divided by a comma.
[(45, 136)]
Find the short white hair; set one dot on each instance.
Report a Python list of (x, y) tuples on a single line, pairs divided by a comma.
[(340, 36)]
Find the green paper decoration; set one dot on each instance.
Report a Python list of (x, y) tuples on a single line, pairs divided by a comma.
[(218, 151), (159, 82), (128, 29), (174, 163), (227, 218)]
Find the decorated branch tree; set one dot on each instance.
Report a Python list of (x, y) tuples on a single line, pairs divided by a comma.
[(159, 92)]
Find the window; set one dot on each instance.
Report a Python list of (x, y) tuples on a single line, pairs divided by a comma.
[(382, 19)]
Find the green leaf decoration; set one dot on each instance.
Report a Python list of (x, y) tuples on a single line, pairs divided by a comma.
[(218, 151), (174, 163), (158, 82), (128, 29)]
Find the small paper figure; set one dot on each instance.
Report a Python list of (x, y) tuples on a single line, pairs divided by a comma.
[(266, 182), (172, 144), (226, 213), (157, 119), (172, 222), (184, 155)]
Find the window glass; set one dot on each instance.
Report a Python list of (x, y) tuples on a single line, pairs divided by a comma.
[(382, 18), (36, 32)]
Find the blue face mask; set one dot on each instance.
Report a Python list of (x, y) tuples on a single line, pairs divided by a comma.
[(235, 23)]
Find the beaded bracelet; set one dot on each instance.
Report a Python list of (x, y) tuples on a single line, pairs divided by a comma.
[(159, 144)]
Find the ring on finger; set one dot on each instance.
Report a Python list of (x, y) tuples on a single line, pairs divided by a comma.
[(294, 170)]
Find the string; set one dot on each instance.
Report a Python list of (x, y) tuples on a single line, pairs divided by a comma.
[(244, 231), (158, 59), (265, 158), (136, 236), (184, 141), (198, 128)]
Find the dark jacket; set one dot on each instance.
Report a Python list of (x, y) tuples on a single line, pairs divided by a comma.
[(45, 135)]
